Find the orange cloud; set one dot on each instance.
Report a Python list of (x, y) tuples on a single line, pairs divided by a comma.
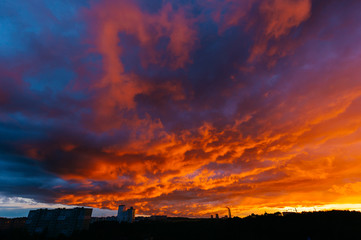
[(280, 16), (117, 87), (181, 120)]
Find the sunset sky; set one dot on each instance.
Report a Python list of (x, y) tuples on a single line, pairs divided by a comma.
[(180, 107)]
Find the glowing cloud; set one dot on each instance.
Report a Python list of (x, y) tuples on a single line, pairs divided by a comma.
[(181, 108)]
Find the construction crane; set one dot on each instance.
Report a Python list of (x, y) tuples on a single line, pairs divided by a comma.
[(229, 212)]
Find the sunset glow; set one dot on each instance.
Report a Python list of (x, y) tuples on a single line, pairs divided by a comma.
[(182, 107)]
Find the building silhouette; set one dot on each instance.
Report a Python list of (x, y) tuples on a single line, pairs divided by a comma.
[(59, 221), (158, 218), (125, 215), (12, 223), (103, 219)]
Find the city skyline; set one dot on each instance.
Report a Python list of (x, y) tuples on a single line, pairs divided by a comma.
[(180, 108)]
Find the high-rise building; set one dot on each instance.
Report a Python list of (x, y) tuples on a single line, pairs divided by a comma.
[(59, 221), (126, 215)]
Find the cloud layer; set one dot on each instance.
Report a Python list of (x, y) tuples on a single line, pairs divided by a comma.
[(181, 107)]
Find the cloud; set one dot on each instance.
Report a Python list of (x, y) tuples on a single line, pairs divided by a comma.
[(110, 19), (280, 16), (181, 108)]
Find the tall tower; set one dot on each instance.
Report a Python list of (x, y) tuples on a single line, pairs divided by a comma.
[(229, 212)]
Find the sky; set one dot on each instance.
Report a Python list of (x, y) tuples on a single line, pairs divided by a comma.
[(180, 107)]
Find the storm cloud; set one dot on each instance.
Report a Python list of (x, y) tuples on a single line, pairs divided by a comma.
[(181, 107)]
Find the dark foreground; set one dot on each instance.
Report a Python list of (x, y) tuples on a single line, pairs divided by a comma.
[(318, 225)]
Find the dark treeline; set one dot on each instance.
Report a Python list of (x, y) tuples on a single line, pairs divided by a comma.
[(316, 225)]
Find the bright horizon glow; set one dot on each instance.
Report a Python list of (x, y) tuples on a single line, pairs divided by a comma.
[(23, 205)]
